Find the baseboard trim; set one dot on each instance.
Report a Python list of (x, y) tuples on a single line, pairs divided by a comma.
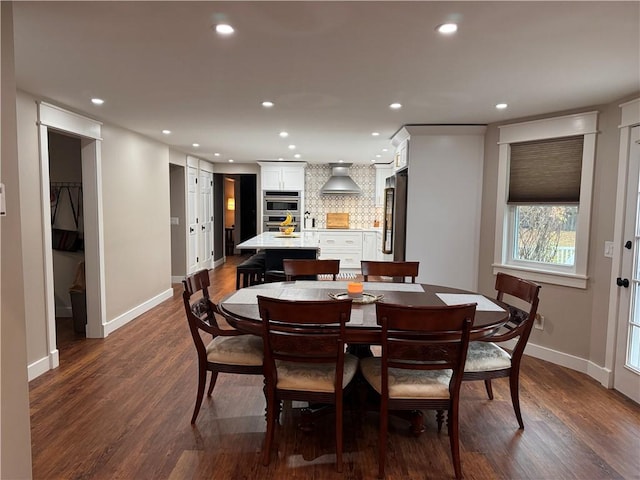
[(219, 262), (37, 368), (601, 374), (177, 279), (116, 323)]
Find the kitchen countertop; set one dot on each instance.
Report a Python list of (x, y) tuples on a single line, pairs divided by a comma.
[(274, 240), (366, 229)]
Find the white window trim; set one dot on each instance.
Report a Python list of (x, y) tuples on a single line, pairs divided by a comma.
[(569, 125)]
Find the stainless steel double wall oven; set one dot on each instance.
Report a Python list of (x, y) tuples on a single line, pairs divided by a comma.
[(277, 204)]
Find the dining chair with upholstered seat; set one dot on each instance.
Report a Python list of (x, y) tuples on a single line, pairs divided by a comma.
[(229, 351), (307, 268), (486, 360), (305, 358), (398, 270), (421, 367)]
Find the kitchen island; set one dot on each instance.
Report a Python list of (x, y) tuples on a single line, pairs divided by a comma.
[(274, 240), (277, 247)]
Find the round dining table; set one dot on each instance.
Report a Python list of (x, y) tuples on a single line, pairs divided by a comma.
[(240, 308)]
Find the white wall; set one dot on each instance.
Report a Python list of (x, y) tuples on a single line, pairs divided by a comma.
[(29, 163), (137, 236), (443, 203), (15, 433)]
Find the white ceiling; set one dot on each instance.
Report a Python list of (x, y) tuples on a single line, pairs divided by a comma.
[(332, 68)]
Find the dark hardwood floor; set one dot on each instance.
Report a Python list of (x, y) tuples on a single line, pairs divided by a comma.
[(120, 408)]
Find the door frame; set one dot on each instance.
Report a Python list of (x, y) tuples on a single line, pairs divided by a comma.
[(89, 130), (630, 117)]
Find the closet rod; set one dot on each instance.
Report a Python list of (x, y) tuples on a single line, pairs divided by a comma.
[(66, 184)]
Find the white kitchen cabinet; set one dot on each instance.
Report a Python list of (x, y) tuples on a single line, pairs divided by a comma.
[(282, 176), (401, 143), (199, 214), (383, 171), (342, 245), (369, 246)]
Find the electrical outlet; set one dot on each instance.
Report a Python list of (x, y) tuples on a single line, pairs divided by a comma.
[(538, 323)]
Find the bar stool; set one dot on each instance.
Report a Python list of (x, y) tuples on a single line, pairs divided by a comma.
[(251, 271)]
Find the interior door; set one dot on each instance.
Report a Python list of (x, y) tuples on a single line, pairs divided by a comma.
[(627, 364), (206, 219), (192, 219)]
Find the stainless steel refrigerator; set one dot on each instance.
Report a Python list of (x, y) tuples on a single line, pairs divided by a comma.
[(395, 216)]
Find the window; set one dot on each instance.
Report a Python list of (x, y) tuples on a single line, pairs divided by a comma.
[(544, 198)]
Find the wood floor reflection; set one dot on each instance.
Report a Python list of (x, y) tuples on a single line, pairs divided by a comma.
[(120, 408)]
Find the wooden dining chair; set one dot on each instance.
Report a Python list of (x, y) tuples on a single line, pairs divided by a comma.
[(421, 367), (398, 270), (486, 360), (229, 351), (305, 358), (304, 268)]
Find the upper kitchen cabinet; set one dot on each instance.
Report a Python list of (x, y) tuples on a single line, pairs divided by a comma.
[(282, 176), (400, 142), (383, 171), (444, 197)]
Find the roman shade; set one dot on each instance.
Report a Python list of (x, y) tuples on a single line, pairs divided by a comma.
[(546, 171)]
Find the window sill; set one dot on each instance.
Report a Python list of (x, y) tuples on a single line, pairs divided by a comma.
[(544, 276)]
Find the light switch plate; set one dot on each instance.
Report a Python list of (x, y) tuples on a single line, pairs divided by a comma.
[(608, 249), (3, 205)]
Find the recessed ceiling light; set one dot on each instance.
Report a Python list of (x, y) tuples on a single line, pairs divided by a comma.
[(231, 160), (447, 28), (385, 149), (297, 155), (267, 104), (166, 132), (395, 106), (340, 161), (292, 147), (216, 154), (378, 156), (501, 106), (375, 134), (97, 101), (284, 134), (224, 29), (373, 161), (195, 145), (280, 159)]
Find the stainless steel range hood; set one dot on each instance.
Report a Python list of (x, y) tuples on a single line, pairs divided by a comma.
[(340, 181)]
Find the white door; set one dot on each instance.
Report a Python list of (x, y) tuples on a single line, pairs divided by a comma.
[(192, 218), (627, 364), (206, 219)]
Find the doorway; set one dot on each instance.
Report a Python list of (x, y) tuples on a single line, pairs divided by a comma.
[(241, 220), (627, 350), (88, 131), (67, 223), (178, 216)]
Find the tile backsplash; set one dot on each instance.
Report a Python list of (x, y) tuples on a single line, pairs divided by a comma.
[(361, 208)]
